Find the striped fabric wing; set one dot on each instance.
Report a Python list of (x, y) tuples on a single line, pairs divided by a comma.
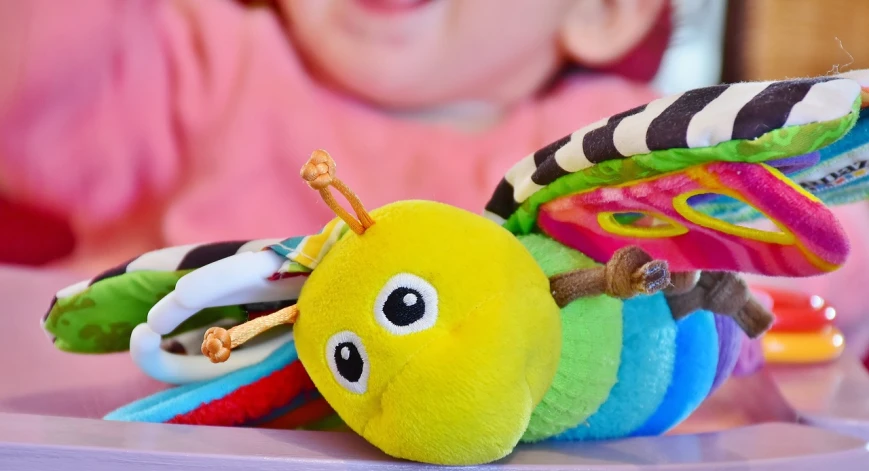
[(744, 122), (98, 315)]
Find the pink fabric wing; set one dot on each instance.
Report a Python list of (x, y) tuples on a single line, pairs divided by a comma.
[(809, 239)]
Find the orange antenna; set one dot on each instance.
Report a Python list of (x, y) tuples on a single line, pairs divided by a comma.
[(319, 173), (219, 342)]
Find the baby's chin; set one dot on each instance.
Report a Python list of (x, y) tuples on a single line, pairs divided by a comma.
[(383, 51), (412, 55), (420, 77), (391, 92), (392, 7)]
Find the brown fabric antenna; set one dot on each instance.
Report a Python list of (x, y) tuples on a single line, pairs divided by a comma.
[(319, 173)]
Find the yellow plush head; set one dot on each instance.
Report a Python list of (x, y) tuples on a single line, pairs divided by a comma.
[(432, 333), (430, 330)]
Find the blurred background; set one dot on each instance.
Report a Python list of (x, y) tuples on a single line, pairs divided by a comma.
[(711, 41), (750, 40)]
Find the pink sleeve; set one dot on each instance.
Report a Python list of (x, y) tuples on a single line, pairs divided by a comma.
[(90, 116)]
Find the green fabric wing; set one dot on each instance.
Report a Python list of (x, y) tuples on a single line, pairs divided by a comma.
[(98, 315), (101, 318)]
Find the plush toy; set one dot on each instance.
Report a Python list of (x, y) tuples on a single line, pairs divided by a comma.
[(598, 298)]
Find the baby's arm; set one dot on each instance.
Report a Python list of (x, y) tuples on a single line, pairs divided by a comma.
[(99, 98)]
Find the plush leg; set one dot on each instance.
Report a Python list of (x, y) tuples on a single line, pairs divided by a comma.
[(722, 293), (630, 272)]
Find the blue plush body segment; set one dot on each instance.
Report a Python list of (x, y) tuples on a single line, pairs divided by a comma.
[(165, 405), (697, 352), (645, 372)]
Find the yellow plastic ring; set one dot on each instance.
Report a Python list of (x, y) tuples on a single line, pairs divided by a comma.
[(803, 347)]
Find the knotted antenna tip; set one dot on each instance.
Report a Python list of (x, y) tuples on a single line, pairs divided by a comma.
[(319, 171)]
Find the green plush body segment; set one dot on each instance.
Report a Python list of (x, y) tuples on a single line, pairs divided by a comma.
[(591, 348), (101, 318), (779, 143)]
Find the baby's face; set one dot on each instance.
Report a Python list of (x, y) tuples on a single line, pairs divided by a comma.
[(415, 53)]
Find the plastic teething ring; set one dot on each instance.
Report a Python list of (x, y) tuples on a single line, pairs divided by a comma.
[(802, 320), (798, 312), (804, 347)]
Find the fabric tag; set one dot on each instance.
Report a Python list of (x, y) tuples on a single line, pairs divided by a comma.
[(305, 253)]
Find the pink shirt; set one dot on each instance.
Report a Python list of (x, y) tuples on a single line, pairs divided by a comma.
[(155, 123)]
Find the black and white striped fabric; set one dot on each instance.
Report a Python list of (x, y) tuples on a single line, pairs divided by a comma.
[(179, 258), (698, 118)]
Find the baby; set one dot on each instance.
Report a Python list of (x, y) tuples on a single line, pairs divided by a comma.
[(156, 123)]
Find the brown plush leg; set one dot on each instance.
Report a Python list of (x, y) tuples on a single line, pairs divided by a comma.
[(628, 273), (682, 282), (726, 294)]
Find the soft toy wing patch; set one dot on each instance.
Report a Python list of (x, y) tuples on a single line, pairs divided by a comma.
[(274, 392), (808, 240), (98, 315), (668, 158), (110, 313), (836, 174)]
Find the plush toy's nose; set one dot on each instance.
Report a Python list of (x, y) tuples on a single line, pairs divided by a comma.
[(467, 397)]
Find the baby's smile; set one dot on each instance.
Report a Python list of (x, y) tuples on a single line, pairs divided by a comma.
[(392, 6)]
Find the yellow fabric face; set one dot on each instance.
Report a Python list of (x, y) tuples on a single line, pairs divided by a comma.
[(433, 334)]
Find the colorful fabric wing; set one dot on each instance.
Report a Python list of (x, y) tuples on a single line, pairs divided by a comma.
[(673, 159), (98, 315), (276, 393), (809, 239), (837, 174)]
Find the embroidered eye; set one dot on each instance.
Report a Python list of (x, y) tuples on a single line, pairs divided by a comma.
[(348, 361), (407, 304)]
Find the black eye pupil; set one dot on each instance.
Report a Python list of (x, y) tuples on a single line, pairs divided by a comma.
[(348, 361), (404, 306)]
